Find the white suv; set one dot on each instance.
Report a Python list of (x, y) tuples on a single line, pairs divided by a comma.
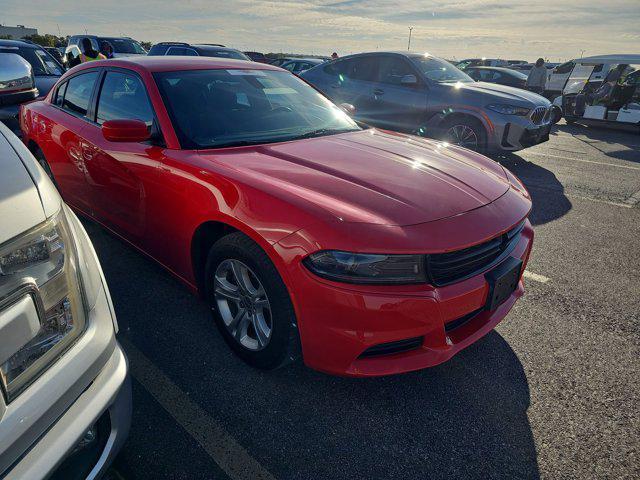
[(65, 393)]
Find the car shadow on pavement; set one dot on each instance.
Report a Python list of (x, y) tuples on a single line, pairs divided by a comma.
[(547, 193), (621, 144), (466, 418)]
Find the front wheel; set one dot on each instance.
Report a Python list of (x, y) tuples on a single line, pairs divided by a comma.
[(464, 132), (250, 303)]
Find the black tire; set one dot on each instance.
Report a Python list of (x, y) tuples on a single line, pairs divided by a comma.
[(284, 344), (469, 122), (42, 160)]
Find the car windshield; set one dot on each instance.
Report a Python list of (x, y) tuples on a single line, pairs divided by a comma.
[(124, 45), (233, 107), (438, 70), (233, 54), (41, 61)]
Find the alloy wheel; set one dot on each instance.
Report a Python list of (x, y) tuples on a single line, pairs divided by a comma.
[(462, 136), (243, 304)]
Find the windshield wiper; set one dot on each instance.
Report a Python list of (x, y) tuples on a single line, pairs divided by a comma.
[(321, 132), (236, 143)]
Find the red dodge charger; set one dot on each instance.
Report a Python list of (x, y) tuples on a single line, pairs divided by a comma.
[(365, 252)]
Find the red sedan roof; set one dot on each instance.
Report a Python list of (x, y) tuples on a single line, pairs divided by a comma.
[(169, 63)]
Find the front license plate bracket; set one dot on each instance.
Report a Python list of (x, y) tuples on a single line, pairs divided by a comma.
[(502, 280)]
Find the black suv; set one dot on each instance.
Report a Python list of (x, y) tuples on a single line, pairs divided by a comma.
[(201, 49)]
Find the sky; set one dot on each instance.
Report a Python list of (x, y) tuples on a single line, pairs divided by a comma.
[(454, 29)]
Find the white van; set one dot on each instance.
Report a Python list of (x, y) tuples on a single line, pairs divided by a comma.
[(603, 89)]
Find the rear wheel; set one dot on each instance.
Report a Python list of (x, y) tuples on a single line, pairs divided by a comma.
[(464, 132), (250, 303)]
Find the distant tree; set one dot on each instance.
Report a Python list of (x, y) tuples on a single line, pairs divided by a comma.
[(146, 45), (47, 40)]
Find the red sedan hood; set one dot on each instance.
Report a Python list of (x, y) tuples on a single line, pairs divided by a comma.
[(372, 176)]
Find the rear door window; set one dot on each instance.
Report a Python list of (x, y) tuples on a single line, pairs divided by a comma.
[(78, 93), (363, 68), (392, 70), (123, 97)]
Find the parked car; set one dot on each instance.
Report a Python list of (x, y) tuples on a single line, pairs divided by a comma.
[(279, 61), (300, 65), (366, 252), (257, 57), (602, 90), (499, 75), (521, 67), (43, 67), (200, 49), (428, 96), (65, 391), (481, 62), (55, 53), (122, 47)]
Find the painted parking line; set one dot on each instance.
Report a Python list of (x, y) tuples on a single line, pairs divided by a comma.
[(629, 167), (230, 456), (633, 199), (535, 277)]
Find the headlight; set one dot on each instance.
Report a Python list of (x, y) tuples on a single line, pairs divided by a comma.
[(508, 109), (41, 268), (367, 268)]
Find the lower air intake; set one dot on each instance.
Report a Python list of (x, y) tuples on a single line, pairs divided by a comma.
[(392, 347)]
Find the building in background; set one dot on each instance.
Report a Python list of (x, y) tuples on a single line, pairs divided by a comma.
[(17, 32)]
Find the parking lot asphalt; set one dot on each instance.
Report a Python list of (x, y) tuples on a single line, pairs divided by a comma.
[(553, 392)]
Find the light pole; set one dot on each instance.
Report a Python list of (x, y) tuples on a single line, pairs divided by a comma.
[(409, 44)]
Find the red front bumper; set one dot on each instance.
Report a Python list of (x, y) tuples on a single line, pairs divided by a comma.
[(338, 322)]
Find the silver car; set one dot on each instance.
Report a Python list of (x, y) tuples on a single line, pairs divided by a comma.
[(425, 95), (65, 393)]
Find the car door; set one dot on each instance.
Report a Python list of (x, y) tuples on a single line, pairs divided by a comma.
[(121, 173), (558, 76), (60, 136), (397, 104), (354, 85)]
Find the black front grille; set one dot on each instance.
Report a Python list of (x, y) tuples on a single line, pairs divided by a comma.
[(451, 267), (539, 114), (392, 347)]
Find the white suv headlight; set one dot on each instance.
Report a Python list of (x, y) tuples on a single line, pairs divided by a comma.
[(42, 265)]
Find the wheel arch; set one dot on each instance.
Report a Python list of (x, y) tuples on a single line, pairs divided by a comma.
[(452, 114), (33, 146), (210, 231)]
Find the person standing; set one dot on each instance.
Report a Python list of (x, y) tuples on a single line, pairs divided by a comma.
[(88, 54), (106, 49), (334, 55), (537, 79)]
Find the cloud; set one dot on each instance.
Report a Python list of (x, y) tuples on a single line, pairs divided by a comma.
[(454, 28)]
